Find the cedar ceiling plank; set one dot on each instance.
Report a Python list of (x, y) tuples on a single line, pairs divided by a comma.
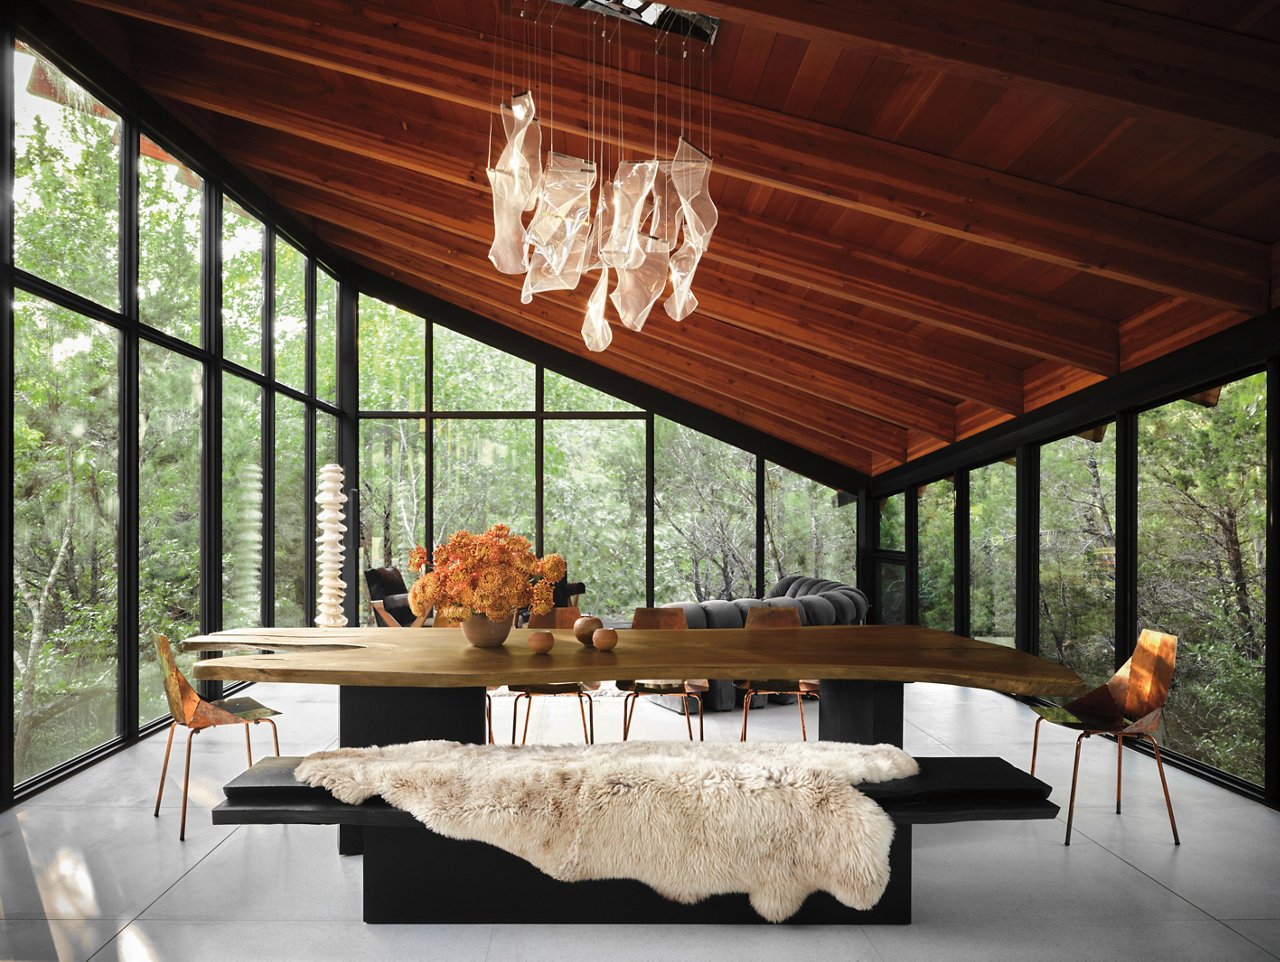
[(887, 180), (897, 285), (881, 349), (815, 391), (631, 354), (1092, 52)]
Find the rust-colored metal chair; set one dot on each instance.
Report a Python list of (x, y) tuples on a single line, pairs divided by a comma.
[(191, 711), (805, 688), (688, 689), (555, 618), (1130, 705)]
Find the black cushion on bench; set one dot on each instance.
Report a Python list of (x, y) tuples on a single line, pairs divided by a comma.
[(948, 789)]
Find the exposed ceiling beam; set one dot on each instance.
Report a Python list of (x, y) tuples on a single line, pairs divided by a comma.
[(787, 153), (858, 275), (1187, 75)]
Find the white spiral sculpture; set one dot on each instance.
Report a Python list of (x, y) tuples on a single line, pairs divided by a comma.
[(333, 589)]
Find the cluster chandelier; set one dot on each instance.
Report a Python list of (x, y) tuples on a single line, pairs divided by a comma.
[(650, 222)]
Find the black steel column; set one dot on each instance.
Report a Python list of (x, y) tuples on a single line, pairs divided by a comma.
[(1126, 527), (1027, 550), (309, 587), (539, 479), (868, 529), (211, 426), (349, 440), (267, 585), (760, 530), (429, 439), (6, 412), (648, 508), (127, 536), (1271, 656), (961, 552), (911, 521)]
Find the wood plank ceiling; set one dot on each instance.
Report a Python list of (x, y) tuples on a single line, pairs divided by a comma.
[(934, 215)]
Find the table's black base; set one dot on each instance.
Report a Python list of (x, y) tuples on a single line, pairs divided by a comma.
[(391, 716), (412, 875), (404, 881)]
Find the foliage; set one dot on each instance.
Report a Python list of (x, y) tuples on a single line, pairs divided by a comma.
[(492, 574), (935, 518)]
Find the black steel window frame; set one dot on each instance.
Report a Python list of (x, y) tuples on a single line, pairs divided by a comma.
[(73, 58), (1222, 359)]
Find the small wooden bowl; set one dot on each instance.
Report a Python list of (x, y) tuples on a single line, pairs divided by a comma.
[(584, 627), (604, 639), (541, 642)]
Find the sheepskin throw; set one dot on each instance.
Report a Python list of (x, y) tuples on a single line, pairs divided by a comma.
[(774, 820)]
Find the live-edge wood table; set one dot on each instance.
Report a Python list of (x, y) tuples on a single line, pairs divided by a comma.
[(401, 685)]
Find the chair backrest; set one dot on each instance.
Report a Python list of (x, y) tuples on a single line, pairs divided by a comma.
[(384, 581), (772, 618), (555, 618), (659, 618), (183, 700), (1142, 685)]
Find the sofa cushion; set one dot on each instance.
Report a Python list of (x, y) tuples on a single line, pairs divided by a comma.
[(818, 610), (693, 613), (723, 614)]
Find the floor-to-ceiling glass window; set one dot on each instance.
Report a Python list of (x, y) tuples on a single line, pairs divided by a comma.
[(1202, 466), (992, 552), (704, 502), (170, 402), (243, 287), (1078, 552), (595, 496), (936, 547), (806, 531), (66, 534), (170, 228)]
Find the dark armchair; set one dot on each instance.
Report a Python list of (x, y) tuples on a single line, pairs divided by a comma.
[(389, 599)]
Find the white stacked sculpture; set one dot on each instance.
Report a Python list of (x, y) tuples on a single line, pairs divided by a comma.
[(333, 589)]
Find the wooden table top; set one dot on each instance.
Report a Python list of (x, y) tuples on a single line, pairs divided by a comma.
[(441, 657)]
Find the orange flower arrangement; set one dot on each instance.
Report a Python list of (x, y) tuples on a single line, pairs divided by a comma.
[(489, 574)]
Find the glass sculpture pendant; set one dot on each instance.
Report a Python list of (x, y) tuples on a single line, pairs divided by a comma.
[(515, 181)]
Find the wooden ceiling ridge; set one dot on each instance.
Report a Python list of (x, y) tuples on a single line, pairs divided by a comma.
[(1096, 53), (859, 275), (852, 170)]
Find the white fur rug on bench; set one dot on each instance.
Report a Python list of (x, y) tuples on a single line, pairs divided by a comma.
[(774, 820)]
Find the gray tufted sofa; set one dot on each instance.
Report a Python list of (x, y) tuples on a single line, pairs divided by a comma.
[(819, 601)]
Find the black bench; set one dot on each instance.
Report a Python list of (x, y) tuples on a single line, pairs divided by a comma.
[(414, 875)]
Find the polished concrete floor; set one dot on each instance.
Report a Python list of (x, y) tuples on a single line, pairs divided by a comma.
[(87, 872)]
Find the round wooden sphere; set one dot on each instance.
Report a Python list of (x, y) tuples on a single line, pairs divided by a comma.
[(541, 642), (605, 639), (584, 627)]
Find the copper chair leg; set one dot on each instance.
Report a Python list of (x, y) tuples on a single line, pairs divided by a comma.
[(275, 734), (528, 711), (586, 735), (746, 707), (1119, 768), (1075, 773), (1165, 785), (701, 733), (186, 780), (248, 748), (515, 715), (164, 769), (804, 735), (591, 714), (1035, 745), (688, 720), (488, 716), (628, 710)]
